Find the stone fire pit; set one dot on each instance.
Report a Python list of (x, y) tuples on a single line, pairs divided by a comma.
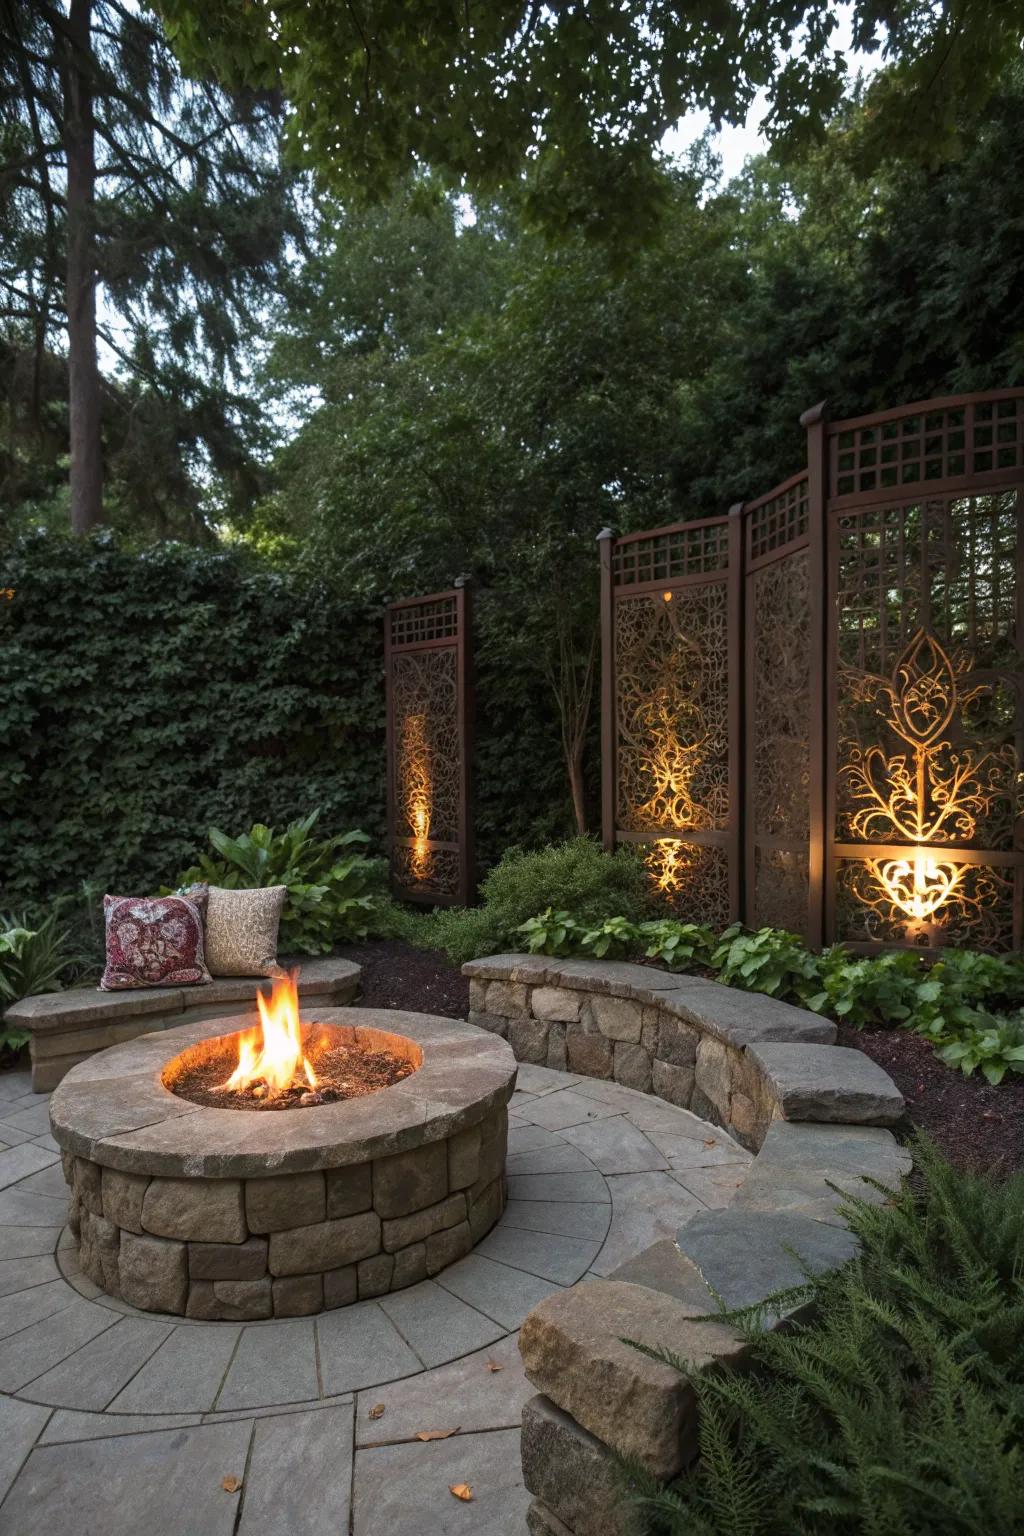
[(229, 1214)]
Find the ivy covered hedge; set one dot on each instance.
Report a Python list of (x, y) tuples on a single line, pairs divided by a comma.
[(147, 697)]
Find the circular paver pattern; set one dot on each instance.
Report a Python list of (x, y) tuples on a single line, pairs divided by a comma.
[(114, 1420)]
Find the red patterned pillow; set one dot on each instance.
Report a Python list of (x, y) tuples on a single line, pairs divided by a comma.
[(154, 942)]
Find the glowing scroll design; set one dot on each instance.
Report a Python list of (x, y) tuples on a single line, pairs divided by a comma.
[(930, 795)]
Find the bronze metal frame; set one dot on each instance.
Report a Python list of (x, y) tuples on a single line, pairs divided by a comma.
[(429, 686)]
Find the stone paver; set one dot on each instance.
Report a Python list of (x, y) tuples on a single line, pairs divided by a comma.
[(183, 1375), (118, 1422), (299, 1476), (272, 1365), (360, 1345), (403, 1490), (92, 1376), (470, 1391), (168, 1481)]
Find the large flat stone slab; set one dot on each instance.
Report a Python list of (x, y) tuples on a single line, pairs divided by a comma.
[(828, 1082), (403, 1490), (299, 1475), (169, 1481), (744, 1256), (469, 1393), (646, 1207)]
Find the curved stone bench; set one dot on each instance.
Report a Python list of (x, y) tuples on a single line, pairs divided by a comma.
[(816, 1115), (735, 1058), (68, 1027)]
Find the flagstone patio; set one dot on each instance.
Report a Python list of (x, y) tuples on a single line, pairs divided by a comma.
[(114, 1421)]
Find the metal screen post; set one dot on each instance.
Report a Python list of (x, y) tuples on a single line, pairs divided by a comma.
[(820, 808)]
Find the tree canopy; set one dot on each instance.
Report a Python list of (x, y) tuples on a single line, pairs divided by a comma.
[(577, 97), (162, 197)]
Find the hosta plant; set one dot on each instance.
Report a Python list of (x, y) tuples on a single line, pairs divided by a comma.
[(677, 945), (331, 884), (770, 960), (552, 933)]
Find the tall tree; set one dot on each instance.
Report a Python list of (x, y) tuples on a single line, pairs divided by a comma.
[(576, 97), (137, 210)]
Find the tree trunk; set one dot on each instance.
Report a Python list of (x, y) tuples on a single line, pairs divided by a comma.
[(83, 368)]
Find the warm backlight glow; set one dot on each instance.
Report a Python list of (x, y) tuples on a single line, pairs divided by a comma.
[(417, 787), (271, 1054), (919, 885)]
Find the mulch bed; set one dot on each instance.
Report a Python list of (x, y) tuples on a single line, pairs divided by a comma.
[(977, 1126)]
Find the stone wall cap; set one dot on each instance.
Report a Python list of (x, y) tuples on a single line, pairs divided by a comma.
[(618, 978), (114, 1110), (53, 1012), (828, 1082), (509, 967), (741, 1018)]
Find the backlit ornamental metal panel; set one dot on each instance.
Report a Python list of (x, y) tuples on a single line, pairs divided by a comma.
[(429, 721), (811, 709), (670, 638), (924, 750)]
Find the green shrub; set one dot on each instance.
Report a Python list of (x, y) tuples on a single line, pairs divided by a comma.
[(881, 989), (576, 876), (331, 896), (898, 1409)]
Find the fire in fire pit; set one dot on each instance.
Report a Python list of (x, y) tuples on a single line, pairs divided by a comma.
[(283, 1063)]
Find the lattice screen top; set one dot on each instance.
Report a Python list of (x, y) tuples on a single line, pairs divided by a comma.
[(778, 520), (970, 439), (416, 623), (670, 553)]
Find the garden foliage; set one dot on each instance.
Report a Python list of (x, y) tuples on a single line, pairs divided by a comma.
[(898, 1408), (31, 960), (149, 697), (333, 889), (576, 876)]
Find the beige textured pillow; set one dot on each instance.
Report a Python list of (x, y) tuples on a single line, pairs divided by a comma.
[(241, 930)]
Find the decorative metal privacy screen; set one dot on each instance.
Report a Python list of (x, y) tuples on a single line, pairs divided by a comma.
[(426, 656), (669, 632), (853, 639)]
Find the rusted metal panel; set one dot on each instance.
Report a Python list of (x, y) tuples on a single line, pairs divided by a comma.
[(429, 711)]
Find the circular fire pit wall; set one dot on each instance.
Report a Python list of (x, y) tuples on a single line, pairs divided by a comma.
[(222, 1213)]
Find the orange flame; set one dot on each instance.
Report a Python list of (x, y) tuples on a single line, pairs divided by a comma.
[(272, 1053)]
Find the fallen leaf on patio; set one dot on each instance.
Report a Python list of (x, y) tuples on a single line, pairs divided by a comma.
[(376, 1411), (437, 1434), (230, 1484), (461, 1491), (492, 1365), (711, 1143)]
